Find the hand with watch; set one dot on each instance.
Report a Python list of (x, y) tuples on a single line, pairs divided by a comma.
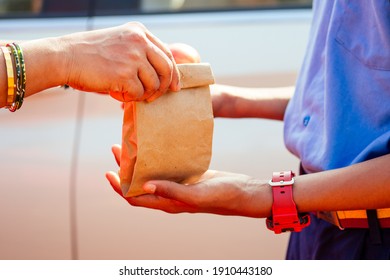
[(223, 193)]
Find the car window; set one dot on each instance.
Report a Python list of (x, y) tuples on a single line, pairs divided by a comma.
[(28, 8), (48, 8), (205, 5)]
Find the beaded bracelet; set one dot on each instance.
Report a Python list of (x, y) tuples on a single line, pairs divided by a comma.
[(23, 73), (10, 77), (20, 71)]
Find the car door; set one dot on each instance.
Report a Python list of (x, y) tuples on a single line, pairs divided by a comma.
[(38, 146)]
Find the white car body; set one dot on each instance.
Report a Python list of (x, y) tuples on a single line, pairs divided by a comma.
[(55, 202)]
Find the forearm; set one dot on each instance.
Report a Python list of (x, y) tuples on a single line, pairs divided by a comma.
[(45, 62), (361, 186), (239, 102)]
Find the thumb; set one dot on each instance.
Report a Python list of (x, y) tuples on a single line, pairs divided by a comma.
[(117, 150), (169, 189)]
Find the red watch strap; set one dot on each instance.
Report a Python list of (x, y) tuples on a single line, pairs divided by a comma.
[(285, 216)]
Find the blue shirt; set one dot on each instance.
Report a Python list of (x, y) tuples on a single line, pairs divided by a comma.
[(340, 112)]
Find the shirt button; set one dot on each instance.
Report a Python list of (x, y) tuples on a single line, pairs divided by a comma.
[(306, 120)]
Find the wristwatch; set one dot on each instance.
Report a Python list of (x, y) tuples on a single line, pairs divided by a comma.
[(285, 216)]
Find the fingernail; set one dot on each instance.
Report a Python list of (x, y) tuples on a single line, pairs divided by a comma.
[(178, 86), (150, 188)]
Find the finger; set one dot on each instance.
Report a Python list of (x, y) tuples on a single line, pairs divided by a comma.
[(171, 190), (135, 90), (130, 90), (158, 93), (163, 67), (117, 150), (149, 79), (160, 203), (114, 181), (175, 78), (154, 96), (175, 82)]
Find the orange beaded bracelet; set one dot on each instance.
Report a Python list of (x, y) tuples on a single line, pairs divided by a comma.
[(10, 77)]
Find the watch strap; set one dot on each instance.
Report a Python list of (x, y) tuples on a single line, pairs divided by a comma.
[(285, 216)]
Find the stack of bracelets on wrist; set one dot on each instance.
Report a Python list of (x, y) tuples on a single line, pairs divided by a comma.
[(16, 76)]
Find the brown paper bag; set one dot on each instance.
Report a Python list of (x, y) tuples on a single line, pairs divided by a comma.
[(171, 137)]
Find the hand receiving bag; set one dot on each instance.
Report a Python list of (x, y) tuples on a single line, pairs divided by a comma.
[(171, 137)]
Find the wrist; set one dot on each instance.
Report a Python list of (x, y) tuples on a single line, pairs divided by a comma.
[(217, 98), (259, 201), (62, 55), (46, 64), (67, 48)]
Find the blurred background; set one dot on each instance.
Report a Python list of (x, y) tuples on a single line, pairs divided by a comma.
[(26, 7), (55, 202)]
